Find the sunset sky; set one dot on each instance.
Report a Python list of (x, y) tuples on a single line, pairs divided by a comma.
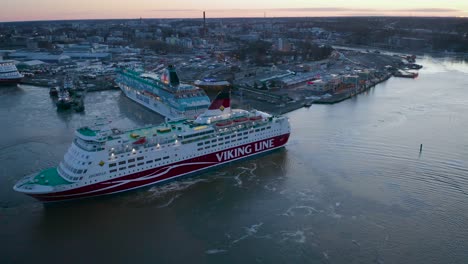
[(19, 10)]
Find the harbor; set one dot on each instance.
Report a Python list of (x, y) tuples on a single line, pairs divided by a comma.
[(351, 184)]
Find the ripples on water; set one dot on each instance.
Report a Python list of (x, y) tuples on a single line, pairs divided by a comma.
[(350, 186)]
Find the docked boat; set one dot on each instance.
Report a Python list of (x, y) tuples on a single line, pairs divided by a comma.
[(53, 91), (163, 94), (9, 73), (64, 100), (69, 85), (103, 160), (406, 74)]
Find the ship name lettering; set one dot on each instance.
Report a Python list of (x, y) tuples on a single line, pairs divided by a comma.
[(259, 146), (234, 153)]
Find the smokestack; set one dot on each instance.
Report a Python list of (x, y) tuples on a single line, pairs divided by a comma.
[(204, 24)]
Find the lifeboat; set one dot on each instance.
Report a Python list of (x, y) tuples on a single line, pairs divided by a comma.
[(164, 130), (240, 120), (140, 141), (222, 124), (255, 118)]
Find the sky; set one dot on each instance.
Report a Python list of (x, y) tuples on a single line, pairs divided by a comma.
[(25, 10)]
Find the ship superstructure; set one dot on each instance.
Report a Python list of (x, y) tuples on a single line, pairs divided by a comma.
[(9, 73), (164, 94), (103, 160)]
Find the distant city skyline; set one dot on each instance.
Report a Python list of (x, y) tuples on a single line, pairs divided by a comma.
[(28, 10)]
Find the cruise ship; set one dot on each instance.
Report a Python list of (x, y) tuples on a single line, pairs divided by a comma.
[(163, 94), (9, 73), (103, 160)]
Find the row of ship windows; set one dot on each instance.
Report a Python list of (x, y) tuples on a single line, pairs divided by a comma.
[(77, 153), (232, 136), (133, 160), (139, 167), (74, 170), (222, 143), (78, 162), (73, 178)]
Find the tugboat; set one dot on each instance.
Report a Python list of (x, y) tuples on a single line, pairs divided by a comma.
[(69, 85), (64, 100), (53, 91), (78, 104)]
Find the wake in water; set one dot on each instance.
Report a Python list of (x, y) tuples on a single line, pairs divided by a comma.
[(253, 229), (307, 210), (170, 201), (174, 186), (215, 251), (297, 236), (157, 193)]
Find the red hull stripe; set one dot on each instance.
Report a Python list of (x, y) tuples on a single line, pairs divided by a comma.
[(166, 172), (7, 81)]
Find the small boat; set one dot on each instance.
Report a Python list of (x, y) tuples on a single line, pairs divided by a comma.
[(133, 135), (53, 91), (406, 74), (64, 100), (307, 104), (164, 130), (78, 105)]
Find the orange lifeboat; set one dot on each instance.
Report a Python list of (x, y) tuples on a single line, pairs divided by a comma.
[(240, 120), (222, 124), (255, 118)]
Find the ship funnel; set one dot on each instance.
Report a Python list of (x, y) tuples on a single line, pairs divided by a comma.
[(170, 76), (220, 106), (222, 102)]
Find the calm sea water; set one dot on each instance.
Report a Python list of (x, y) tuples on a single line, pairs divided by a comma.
[(350, 186)]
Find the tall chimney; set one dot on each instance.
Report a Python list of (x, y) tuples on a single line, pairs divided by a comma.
[(204, 24)]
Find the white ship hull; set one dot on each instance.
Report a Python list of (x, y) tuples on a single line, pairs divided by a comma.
[(158, 106), (104, 161)]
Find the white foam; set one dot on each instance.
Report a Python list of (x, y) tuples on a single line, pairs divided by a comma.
[(253, 229), (250, 170), (356, 243), (238, 179), (170, 201), (174, 186), (215, 251), (325, 255), (335, 215), (309, 209), (270, 188), (298, 236)]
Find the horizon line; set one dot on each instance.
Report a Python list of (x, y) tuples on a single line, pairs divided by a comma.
[(234, 17)]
